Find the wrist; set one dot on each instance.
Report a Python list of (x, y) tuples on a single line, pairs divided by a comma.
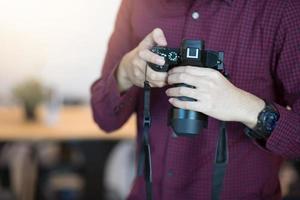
[(266, 122), (253, 106), (122, 79)]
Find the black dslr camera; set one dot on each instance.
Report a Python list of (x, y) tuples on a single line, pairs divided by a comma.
[(191, 52)]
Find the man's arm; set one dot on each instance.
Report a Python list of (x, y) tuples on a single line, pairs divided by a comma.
[(285, 139), (110, 108), (220, 99), (114, 95)]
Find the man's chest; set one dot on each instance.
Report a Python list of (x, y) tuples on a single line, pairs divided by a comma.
[(242, 30)]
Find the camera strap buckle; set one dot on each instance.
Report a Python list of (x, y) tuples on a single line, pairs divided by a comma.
[(147, 121)]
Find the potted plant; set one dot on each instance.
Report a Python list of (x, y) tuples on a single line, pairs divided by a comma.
[(30, 94)]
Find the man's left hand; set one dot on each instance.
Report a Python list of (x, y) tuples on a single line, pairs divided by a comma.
[(216, 96)]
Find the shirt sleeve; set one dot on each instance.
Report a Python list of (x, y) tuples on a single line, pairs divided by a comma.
[(285, 139), (110, 108)]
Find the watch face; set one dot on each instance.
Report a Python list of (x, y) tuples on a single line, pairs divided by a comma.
[(270, 120)]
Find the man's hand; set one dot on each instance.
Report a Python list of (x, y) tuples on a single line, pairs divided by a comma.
[(215, 95), (131, 70)]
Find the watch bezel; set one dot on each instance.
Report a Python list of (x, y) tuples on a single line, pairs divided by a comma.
[(266, 121)]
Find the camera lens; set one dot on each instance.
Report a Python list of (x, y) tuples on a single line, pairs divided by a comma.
[(186, 122)]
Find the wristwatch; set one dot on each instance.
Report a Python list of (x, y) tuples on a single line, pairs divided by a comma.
[(266, 122)]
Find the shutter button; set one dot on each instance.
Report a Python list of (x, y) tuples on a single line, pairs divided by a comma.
[(195, 15)]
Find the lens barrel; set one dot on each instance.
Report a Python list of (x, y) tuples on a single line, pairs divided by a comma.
[(186, 122)]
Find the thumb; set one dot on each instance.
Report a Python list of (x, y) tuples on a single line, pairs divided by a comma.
[(156, 37)]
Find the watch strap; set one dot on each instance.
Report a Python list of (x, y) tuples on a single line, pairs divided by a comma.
[(266, 122)]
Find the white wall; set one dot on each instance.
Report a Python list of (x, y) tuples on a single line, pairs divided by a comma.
[(62, 42)]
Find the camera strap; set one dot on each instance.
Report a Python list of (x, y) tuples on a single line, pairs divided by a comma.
[(220, 163), (144, 163), (221, 158)]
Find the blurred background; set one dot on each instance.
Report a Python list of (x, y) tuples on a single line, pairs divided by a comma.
[(60, 42), (50, 148)]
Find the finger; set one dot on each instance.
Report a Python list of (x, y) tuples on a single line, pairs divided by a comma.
[(156, 76), (187, 105), (196, 71), (159, 37), (152, 76), (156, 79), (158, 84), (148, 56), (156, 37), (183, 92), (197, 81), (141, 82)]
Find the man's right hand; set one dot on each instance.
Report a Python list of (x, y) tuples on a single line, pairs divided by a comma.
[(131, 70)]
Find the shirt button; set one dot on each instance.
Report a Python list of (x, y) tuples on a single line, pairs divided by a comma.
[(174, 134), (170, 173), (116, 109), (195, 15)]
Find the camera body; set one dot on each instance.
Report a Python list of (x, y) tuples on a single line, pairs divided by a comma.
[(193, 53)]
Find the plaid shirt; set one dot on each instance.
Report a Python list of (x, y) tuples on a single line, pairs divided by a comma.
[(261, 41)]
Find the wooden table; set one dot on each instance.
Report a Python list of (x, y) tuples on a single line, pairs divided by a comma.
[(75, 122)]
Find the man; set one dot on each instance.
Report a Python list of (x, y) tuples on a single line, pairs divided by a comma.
[(261, 42)]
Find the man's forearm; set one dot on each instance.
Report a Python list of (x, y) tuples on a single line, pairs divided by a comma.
[(121, 76), (250, 108)]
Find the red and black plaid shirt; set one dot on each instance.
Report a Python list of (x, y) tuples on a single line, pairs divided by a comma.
[(261, 41)]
